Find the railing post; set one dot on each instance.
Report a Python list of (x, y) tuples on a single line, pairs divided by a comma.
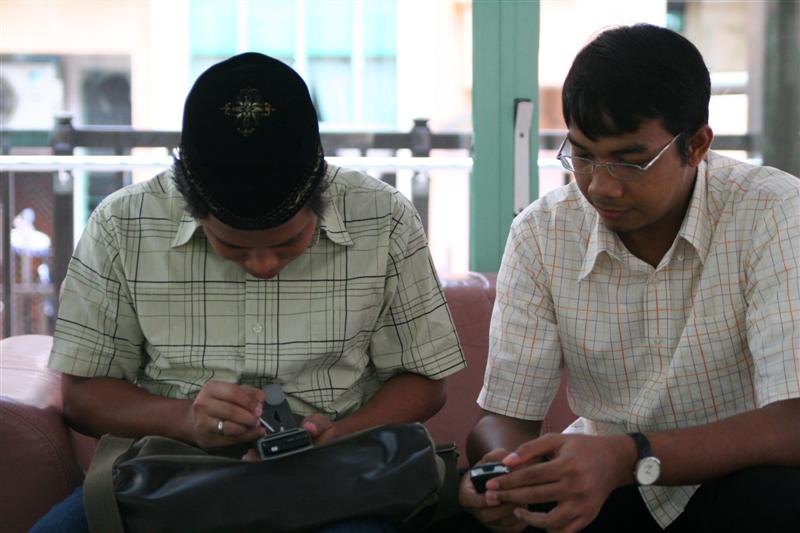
[(62, 143), (420, 142), (6, 199)]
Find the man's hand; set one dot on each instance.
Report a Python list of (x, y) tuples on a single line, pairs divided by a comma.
[(237, 406), (320, 428), (581, 473), (489, 511)]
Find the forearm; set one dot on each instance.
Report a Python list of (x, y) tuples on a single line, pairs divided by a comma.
[(766, 436), (493, 431), (96, 406), (404, 398)]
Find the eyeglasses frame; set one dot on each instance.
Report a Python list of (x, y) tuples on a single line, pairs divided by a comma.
[(609, 166)]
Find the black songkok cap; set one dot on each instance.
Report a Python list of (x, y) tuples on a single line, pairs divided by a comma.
[(250, 147)]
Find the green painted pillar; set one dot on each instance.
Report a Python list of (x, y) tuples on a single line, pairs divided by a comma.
[(505, 36)]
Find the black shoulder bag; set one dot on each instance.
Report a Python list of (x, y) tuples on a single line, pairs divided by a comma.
[(159, 484)]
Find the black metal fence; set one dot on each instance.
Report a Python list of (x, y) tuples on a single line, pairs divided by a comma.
[(56, 192), (65, 137)]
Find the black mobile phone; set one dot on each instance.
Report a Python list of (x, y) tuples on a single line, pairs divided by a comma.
[(285, 437), (480, 474), (283, 443)]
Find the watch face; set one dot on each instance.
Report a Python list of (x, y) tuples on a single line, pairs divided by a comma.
[(648, 470)]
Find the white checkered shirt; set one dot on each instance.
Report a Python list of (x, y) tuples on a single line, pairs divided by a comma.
[(713, 331)]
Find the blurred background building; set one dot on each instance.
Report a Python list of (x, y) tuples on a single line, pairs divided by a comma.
[(371, 65)]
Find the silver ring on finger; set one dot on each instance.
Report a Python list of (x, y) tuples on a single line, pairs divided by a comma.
[(221, 427)]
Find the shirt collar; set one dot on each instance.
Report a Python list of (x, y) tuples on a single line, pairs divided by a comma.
[(601, 240), (186, 228), (695, 228), (330, 221)]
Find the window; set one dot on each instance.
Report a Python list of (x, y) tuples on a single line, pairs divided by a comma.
[(346, 50)]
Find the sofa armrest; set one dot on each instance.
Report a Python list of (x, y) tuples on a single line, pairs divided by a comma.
[(39, 468)]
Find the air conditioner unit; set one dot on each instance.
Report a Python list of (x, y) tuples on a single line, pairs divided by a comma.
[(31, 93)]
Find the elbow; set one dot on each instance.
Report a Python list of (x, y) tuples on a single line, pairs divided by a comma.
[(432, 398), (439, 396), (475, 443)]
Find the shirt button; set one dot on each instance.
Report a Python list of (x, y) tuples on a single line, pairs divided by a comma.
[(258, 328), (680, 257)]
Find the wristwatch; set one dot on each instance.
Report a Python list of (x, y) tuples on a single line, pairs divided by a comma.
[(648, 467)]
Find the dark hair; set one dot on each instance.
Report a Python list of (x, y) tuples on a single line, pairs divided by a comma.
[(197, 207), (632, 74)]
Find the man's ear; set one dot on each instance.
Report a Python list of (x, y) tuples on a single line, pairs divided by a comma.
[(700, 144)]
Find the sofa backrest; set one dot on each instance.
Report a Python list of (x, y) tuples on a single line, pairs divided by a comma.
[(470, 297)]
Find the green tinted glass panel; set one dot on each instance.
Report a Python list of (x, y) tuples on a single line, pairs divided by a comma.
[(380, 92), (330, 82), (380, 28), (270, 27), (212, 28), (329, 27)]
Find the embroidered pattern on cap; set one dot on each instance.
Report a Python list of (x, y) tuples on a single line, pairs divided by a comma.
[(248, 110)]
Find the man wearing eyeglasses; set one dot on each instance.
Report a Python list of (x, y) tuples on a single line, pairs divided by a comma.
[(665, 280)]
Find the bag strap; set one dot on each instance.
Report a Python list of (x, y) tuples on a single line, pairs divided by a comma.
[(443, 504), (102, 512)]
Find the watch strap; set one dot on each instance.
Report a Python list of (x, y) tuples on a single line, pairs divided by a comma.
[(643, 448)]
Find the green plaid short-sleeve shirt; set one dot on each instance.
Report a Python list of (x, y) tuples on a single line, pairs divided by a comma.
[(146, 299)]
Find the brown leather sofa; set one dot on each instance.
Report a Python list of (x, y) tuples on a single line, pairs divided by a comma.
[(42, 460)]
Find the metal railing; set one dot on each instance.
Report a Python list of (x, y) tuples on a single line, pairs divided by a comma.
[(61, 142), (19, 282), (112, 163)]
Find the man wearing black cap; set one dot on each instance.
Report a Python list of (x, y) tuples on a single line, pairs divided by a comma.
[(251, 262)]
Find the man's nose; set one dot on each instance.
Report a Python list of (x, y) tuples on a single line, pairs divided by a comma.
[(262, 261), (604, 185)]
